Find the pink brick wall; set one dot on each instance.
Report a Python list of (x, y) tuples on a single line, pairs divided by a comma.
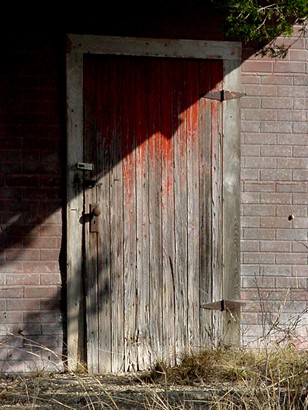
[(274, 247), (32, 125)]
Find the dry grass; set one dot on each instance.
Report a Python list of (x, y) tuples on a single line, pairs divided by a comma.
[(256, 379), (286, 365), (215, 379)]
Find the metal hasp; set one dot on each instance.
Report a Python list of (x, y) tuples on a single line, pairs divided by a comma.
[(222, 95), (85, 166), (88, 180), (223, 305)]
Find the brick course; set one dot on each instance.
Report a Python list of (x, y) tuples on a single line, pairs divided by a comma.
[(274, 174)]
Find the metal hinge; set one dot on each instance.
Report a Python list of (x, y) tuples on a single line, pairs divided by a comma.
[(222, 95), (223, 305)]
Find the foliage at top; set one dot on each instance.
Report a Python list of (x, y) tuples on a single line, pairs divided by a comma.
[(262, 21)]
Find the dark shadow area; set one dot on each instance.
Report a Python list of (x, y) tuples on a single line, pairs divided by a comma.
[(172, 19), (32, 195)]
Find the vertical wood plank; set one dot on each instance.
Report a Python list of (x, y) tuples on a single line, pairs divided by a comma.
[(168, 251), (75, 313), (90, 239), (129, 215), (103, 193), (205, 207), (217, 200), (116, 219), (231, 195), (142, 199), (180, 203), (193, 217), (155, 217)]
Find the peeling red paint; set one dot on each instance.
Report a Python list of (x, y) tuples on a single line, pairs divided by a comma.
[(147, 112)]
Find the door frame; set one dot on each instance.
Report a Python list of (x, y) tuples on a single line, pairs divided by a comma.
[(227, 51)]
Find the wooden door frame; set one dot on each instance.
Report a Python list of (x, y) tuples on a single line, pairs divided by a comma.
[(77, 46)]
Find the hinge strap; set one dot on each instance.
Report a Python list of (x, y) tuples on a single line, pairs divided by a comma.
[(223, 305), (222, 95)]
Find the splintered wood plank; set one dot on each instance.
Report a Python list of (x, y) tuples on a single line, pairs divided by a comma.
[(103, 194), (193, 216), (142, 198), (155, 215), (168, 249), (129, 215), (180, 203), (116, 220), (91, 272)]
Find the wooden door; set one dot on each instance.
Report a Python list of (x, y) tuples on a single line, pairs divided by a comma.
[(154, 254), (159, 268)]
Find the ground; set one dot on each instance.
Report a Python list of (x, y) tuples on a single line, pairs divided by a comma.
[(108, 391), (221, 379)]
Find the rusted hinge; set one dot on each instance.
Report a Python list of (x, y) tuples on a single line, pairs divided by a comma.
[(223, 95), (223, 305)]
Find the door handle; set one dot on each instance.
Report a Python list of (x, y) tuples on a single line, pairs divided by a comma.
[(95, 212)]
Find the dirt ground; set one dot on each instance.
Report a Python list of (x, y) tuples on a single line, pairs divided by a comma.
[(124, 391), (131, 392)]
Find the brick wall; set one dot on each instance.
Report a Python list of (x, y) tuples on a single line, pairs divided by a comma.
[(32, 155), (274, 193)]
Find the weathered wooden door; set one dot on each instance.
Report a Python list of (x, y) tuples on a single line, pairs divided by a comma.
[(153, 208), (155, 144)]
